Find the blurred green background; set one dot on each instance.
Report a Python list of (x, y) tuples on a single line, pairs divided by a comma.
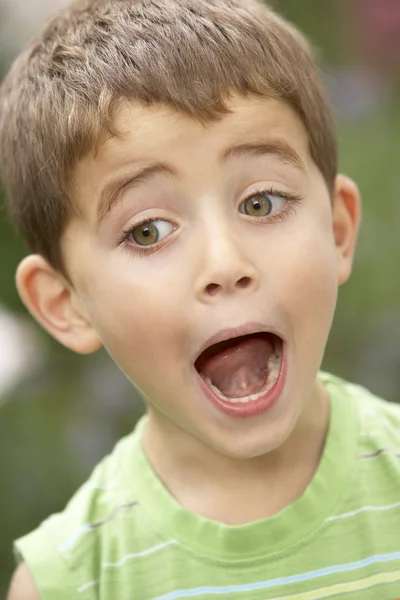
[(59, 413)]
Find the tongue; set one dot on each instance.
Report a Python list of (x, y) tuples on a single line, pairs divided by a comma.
[(241, 369)]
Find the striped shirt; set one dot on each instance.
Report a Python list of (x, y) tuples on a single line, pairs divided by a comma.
[(124, 537)]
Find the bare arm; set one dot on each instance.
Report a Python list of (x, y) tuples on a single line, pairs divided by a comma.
[(22, 585)]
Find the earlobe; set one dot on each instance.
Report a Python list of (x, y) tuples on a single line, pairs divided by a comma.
[(54, 304), (346, 221)]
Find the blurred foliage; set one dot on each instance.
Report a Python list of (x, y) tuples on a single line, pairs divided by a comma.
[(11, 251), (58, 424), (321, 22), (368, 315)]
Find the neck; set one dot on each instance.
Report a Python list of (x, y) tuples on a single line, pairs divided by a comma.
[(204, 481)]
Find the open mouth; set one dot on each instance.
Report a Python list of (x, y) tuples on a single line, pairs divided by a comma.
[(242, 369)]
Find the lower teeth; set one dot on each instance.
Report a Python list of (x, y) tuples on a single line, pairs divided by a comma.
[(273, 372)]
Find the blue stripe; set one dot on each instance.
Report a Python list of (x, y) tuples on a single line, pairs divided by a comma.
[(262, 585), (69, 543)]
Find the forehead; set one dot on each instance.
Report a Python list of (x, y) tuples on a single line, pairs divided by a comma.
[(148, 128), (158, 133)]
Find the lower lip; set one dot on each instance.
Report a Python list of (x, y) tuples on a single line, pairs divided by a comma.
[(254, 407)]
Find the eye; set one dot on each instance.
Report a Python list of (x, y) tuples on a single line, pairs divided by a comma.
[(150, 232), (262, 204)]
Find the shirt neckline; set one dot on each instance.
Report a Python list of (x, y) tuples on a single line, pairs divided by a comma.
[(265, 536)]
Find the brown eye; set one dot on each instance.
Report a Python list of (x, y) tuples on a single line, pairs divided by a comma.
[(151, 232), (145, 234), (258, 205)]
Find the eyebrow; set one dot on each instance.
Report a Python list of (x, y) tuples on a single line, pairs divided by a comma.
[(111, 194), (278, 148)]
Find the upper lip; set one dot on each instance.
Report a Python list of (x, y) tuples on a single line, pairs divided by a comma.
[(233, 332)]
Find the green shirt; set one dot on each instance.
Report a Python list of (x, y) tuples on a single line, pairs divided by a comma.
[(123, 537)]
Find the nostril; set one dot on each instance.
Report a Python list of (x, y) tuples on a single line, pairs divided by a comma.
[(243, 282), (212, 288)]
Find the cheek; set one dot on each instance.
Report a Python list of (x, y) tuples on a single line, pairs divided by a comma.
[(309, 276), (137, 320)]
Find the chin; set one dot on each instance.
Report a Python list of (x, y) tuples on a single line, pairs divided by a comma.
[(253, 443)]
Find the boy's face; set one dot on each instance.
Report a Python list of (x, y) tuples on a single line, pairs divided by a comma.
[(239, 230)]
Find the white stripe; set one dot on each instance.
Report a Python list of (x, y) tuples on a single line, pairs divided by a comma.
[(88, 585), (368, 412), (69, 543), (370, 433), (362, 509), (93, 526), (125, 559)]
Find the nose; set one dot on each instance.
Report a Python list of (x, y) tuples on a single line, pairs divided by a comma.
[(226, 265)]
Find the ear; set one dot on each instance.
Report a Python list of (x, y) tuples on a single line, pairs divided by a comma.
[(53, 302), (346, 211)]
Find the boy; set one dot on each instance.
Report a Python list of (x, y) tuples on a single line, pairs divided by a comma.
[(172, 164)]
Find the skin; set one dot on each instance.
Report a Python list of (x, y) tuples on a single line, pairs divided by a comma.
[(216, 268), (22, 586)]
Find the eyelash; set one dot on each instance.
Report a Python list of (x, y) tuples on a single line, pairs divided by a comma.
[(292, 201)]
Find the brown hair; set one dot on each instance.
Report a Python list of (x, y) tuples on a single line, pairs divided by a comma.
[(58, 100)]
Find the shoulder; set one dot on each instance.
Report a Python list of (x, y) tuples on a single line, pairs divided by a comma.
[(22, 585), (60, 553), (379, 420), (376, 414), (367, 402)]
